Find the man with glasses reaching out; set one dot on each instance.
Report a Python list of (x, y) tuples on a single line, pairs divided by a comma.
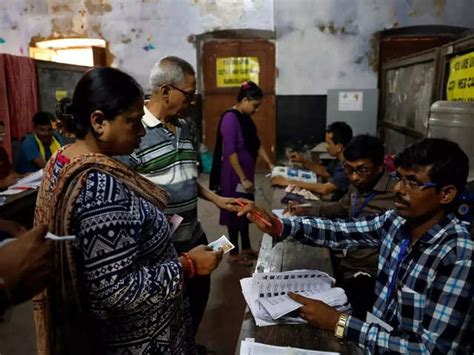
[(425, 270), (370, 192), (167, 157)]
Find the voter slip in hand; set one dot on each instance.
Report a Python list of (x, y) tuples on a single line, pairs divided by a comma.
[(60, 238), (223, 243)]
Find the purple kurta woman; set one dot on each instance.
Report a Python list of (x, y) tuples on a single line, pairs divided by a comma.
[(233, 168)]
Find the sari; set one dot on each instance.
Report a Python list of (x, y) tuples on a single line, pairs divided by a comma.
[(63, 325)]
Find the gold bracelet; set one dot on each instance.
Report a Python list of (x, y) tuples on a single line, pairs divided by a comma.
[(340, 329)]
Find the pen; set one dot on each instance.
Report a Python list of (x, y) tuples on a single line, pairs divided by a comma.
[(256, 214)]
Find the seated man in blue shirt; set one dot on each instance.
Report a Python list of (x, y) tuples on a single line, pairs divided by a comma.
[(37, 147), (425, 279), (338, 135)]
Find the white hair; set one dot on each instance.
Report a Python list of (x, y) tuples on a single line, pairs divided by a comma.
[(169, 70)]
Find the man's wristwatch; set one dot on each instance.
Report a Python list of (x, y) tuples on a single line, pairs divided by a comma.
[(340, 330)]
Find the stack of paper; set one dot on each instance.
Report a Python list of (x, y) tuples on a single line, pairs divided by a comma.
[(250, 347), (266, 294), (31, 181)]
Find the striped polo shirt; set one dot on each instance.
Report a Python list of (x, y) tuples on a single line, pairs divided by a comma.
[(170, 161)]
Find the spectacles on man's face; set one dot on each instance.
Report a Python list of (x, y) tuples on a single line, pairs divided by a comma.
[(190, 96), (412, 184), (362, 170)]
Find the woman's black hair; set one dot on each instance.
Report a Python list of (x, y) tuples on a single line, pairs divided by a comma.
[(105, 89), (249, 90)]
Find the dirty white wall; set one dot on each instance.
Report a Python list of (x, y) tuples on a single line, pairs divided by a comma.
[(138, 31), (325, 44)]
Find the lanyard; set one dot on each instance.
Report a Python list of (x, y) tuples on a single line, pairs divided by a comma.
[(357, 211), (401, 255)]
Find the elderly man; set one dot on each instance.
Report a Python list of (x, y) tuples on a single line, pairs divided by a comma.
[(167, 157), (370, 192), (425, 272)]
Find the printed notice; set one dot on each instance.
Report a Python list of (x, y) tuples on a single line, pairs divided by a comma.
[(350, 101), (233, 71)]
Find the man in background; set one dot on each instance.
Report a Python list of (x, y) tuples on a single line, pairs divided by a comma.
[(338, 135), (37, 147)]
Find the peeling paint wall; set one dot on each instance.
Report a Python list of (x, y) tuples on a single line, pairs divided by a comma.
[(326, 44), (321, 44), (139, 32)]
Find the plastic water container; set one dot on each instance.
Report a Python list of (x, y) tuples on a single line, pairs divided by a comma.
[(454, 120)]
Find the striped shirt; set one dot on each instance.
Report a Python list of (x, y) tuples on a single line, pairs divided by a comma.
[(170, 160), (431, 308)]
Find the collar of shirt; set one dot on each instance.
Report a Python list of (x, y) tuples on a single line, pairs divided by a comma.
[(149, 119)]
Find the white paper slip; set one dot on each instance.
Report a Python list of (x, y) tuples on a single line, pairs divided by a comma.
[(57, 237), (223, 243), (371, 318), (175, 221), (253, 348), (240, 189)]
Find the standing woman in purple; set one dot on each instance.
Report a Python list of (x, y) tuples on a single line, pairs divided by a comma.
[(233, 168)]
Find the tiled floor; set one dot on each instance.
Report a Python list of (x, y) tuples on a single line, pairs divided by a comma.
[(220, 327)]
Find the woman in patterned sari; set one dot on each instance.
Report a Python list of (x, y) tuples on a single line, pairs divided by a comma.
[(119, 285)]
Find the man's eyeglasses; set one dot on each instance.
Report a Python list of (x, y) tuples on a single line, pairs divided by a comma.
[(190, 96), (362, 171), (412, 184)]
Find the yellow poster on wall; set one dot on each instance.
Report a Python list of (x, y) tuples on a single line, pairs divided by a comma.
[(461, 78), (233, 71)]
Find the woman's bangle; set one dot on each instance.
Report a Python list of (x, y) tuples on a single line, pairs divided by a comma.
[(192, 270), (244, 179)]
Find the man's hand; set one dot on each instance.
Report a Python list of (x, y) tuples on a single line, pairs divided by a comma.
[(266, 223), (227, 203), (280, 181), (316, 313), (294, 209), (26, 264), (296, 157), (205, 259)]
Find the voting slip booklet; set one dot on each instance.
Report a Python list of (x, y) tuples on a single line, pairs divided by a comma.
[(295, 174), (223, 243), (262, 288), (250, 347)]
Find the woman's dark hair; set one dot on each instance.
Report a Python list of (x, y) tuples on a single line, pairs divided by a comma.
[(449, 164), (249, 90), (42, 118), (365, 146), (341, 132), (106, 89)]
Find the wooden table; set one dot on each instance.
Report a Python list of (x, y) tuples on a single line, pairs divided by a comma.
[(286, 256)]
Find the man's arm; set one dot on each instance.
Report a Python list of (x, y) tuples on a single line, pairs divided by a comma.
[(319, 188), (447, 308), (319, 169)]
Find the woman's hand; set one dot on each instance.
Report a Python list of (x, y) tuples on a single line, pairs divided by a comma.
[(205, 259), (248, 186), (316, 313)]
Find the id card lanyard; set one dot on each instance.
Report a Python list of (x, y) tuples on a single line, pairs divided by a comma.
[(357, 211), (401, 255)]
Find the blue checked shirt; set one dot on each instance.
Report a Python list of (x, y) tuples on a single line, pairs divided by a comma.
[(431, 308)]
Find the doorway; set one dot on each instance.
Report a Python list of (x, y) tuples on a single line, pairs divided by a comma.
[(232, 57)]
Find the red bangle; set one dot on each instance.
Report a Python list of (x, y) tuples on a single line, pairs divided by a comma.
[(192, 269)]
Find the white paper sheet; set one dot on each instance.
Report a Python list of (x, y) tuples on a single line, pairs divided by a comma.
[(252, 348)]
